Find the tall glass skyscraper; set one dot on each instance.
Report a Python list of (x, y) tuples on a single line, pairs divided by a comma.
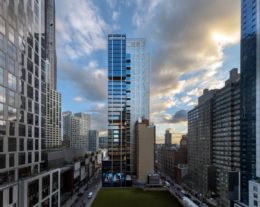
[(250, 95), (128, 98)]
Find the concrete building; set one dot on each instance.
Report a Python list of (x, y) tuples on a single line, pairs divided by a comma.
[(145, 144), (128, 98), (226, 140), (76, 129), (169, 159), (200, 142), (93, 141), (103, 143), (168, 138)]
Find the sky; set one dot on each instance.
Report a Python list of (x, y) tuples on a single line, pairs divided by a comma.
[(193, 45)]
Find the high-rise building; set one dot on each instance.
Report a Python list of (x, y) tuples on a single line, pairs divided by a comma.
[(23, 105), (76, 129), (168, 138), (103, 143), (128, 98), (250, 96), (93, 141), (226, 140), (145, 143), (199, 143), (50, 41)]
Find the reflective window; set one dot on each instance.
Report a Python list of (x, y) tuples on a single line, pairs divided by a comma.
[(1, 111), (1, 41), (11, 160), (1, 144), (2, 59), (11, 96), (11, 81), (1, 76), (11, 50), (11, 113), (2, 161), (2, 25), (11, 66), (2, 94), (2, 127), (11, 144), (11, 34)]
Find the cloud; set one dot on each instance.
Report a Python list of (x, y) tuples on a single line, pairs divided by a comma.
[(80, 28), (178, 117), (189, 36), (78, 99), (90, 81), (115, 15)]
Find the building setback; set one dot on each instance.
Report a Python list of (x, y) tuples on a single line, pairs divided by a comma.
[(226, 140), (145, 143)]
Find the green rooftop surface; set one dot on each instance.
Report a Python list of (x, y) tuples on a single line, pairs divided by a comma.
[(134, 197)]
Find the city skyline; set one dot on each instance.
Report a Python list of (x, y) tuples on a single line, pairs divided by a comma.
[(198, 54)]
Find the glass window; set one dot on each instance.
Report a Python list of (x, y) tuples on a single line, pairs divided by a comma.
[(2, 94), (2, 127), (11, 81), (11, 34), (11, 160), (1, 111), (11, 66), (21, 158), (2, 25), (11, 97), (1, 144), (2, 161), (2, 59), (11, 113), (21, 145), (22, 130), (12, 50), (1, 76), (11, 144), (1, 41), (12, 129)]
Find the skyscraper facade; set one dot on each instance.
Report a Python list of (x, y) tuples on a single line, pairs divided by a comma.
[(76, 129), (226, 140), (23, 105), (93, 141), (250, 94), (128, 98), (168, 138)]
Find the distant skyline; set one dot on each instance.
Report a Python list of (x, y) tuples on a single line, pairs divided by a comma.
[(193, 45)]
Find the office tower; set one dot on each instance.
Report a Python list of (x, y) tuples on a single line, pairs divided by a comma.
[(250, 96), (50, 41), (168, 138), (53, 97), (53, 113), (22, 104), (199, 143), (128, 98), (103, 142), (93, 141), (76, 128), (226, 140), (145, 142)]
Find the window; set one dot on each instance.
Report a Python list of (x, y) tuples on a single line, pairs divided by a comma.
[(1, 76), (11, 113), (11, 96), (21, 145), (2, 25), (11, 81), (11, 66), (29, 157), (11, 34), (12, 50), (10, 195), (30, 144), (1, 111), (1, 41), (22, 130), (1, 144), (29, 118), (11, 160), (2, 59), (21, 158), (2, 127), (2, 161), (2, 94), (12, 129), (11, 144)]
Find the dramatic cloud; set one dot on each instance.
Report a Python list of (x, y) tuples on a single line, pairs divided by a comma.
[(189, 36), (179, 116), (89, 81), (80, 28)]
